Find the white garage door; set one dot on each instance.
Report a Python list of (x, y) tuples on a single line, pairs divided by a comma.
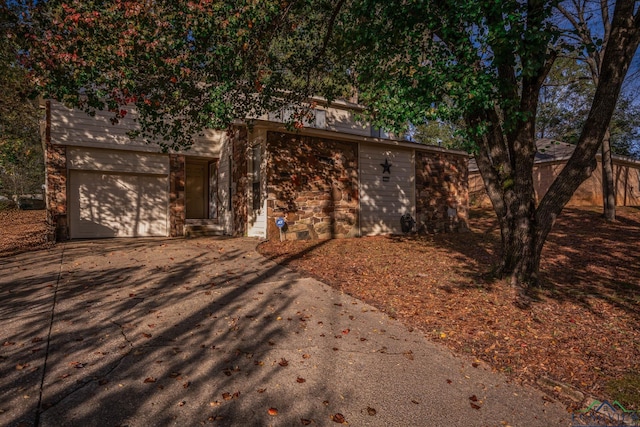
[(387, 189), (117, 205)]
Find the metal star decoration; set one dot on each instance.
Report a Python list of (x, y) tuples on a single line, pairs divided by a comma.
[(386, 166)]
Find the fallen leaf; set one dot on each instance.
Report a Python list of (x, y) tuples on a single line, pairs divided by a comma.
[(283, 362), (408, 354), (338, 418), (474, 406), (186, 385), (300, 380), (473, 398), (371, 411), (346, 331), (182, 403), (20, 367), (272, 411), (475, 364), (262, 390), (149, 380), (146, 335), (449, 381), (305, 422), (226, 396), (306, 356)]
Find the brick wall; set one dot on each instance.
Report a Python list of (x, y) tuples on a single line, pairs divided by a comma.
[(239, 175), (56, 180), (176, 197), (313, 184), (442, 192)]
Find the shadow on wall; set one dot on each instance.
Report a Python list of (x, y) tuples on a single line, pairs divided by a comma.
[(313, 183)]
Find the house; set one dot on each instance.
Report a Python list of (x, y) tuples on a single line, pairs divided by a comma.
[(551, 158), (330, 179)]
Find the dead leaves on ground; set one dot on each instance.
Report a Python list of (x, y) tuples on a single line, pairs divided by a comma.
[(583, 329)]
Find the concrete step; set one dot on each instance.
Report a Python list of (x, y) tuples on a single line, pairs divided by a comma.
[(197, 230)]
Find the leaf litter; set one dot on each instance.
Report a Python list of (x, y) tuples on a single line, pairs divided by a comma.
[(583, 328)]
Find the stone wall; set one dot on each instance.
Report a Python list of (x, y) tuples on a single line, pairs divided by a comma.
[(313, 184), (442, 192), (56, 179), (177, 196), (238, 141)]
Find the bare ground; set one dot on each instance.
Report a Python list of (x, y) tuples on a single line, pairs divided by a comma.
[(583, 329)]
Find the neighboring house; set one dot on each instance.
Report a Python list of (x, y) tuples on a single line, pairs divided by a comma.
[(551, 158), (330, 179)]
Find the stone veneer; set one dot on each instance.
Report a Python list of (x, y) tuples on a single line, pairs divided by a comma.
[(240, 154), (177, 212), (56, 179), (442, 192), (313, 184)]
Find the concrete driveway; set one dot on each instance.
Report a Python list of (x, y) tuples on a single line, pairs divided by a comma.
[(207, 332)]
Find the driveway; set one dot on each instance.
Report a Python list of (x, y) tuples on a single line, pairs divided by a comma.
[(207, 332)]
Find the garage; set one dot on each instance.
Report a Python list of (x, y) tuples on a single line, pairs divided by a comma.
[(117, 194), (387, 188)]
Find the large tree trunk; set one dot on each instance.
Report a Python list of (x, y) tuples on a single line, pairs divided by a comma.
[(506, 162), (608, 187)]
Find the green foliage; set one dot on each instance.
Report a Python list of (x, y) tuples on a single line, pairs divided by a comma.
[(21, 156), (565, 102), (184, 66), (436, 132), (446, 60)]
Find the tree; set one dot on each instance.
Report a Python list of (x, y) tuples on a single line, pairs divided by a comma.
[(565, 102), (185, 66), (590, 50), (190, 65), (21, 156), (490, 59)]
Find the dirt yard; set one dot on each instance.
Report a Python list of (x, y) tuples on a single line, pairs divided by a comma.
[(22, 231), (580, 338)]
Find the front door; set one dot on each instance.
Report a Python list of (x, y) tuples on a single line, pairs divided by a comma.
[(200, 190)]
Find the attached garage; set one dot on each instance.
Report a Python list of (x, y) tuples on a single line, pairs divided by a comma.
[(387, 188), (117, 193)]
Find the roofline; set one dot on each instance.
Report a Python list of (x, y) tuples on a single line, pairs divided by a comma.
[(308, 131)]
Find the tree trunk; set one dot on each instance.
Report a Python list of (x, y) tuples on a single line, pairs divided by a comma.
[(608, 187)]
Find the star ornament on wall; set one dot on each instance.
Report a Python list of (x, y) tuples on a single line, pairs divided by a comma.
[(386, 166)]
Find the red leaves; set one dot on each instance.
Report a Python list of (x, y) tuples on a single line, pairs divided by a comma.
[(283, 362), (272, 411), (229, 396), (474, 399), (338, 418)]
